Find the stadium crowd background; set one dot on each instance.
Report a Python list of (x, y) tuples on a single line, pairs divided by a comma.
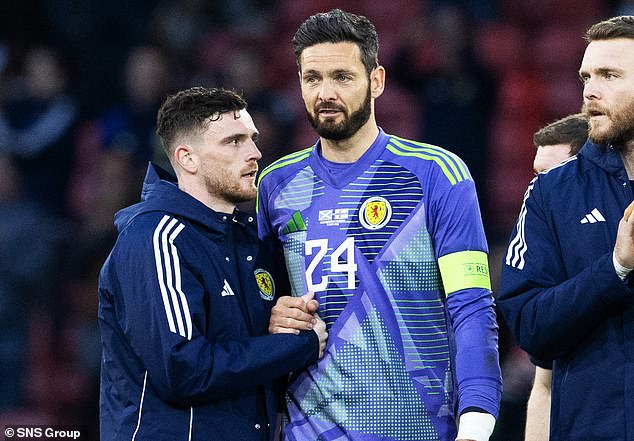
[(80, 85)]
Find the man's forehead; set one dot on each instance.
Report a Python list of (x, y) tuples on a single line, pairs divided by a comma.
[(617, 52), (230, 121), (332, 53)]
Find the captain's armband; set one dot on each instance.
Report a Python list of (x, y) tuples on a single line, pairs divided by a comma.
[(463, 270)]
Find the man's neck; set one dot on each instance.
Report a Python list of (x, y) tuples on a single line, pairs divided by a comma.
[(198, 191), (351, 149)]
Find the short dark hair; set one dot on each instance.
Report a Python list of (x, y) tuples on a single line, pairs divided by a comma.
[(572, 130), (615, 27), (190, 111), (338, 26)]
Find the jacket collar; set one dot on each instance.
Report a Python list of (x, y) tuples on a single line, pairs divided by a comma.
[(604, 156), (161, 193)]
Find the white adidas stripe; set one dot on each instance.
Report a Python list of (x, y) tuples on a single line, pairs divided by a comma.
[(517, 247), (191, 422), (178, 280), (169, 276), (597, 215), (593, 217), (159, 270), (138, 423)]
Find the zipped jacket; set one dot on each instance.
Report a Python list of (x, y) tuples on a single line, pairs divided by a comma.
[(184, 305), (563, 300)]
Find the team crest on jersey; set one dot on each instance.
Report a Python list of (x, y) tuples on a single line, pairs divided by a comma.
[(265, 284), (375, 213)]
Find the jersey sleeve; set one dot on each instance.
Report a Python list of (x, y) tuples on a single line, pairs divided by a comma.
[(168, 334), (548, 312), (462, 258), (262, 209)]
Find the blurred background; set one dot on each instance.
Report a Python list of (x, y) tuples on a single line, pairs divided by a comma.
[(81, 82)]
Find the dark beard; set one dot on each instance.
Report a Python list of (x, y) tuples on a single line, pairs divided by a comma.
[(621, 132), (346, 128)]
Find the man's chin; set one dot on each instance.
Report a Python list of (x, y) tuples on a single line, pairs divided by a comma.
[(600, 135), (242, 195)]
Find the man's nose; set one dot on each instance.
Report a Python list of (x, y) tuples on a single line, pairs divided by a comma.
[(327, 91)]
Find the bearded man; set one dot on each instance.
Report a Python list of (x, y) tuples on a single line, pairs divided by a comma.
[(387, 233), (567, 292), (186, 293)]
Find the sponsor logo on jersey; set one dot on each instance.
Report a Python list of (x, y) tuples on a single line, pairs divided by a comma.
[(265, 284), (333, 217), (375, 213)]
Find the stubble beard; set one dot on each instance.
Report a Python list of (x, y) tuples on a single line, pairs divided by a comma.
[(226, 187), (346, 128), (620, 131)]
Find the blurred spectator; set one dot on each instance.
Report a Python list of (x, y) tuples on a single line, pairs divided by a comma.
[(177, 26), (28, 263), (37, 124), (114, 150), (97, 35), (129, 126), (436, 62)]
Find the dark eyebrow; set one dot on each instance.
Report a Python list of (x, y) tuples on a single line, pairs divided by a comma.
[(310, 72), (332, 72), (342, 71), (239, 137), (234, 137)]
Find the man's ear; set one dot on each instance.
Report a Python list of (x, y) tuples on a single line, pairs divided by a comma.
[(377, 81), (186, 157)]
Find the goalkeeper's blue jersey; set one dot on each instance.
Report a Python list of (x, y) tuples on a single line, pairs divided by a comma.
[(394, 249)]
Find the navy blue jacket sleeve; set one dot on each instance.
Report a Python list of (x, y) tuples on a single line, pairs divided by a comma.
[(165, 329), (549, 311)]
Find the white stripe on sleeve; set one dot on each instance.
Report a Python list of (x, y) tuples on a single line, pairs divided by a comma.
[(138, 423), (169, 276), (518, 246), (178, 280), (159, 271)]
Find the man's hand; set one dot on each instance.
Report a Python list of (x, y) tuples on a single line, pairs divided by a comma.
[(624, 246), (293, 314), (628, 211), (322, 334)]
